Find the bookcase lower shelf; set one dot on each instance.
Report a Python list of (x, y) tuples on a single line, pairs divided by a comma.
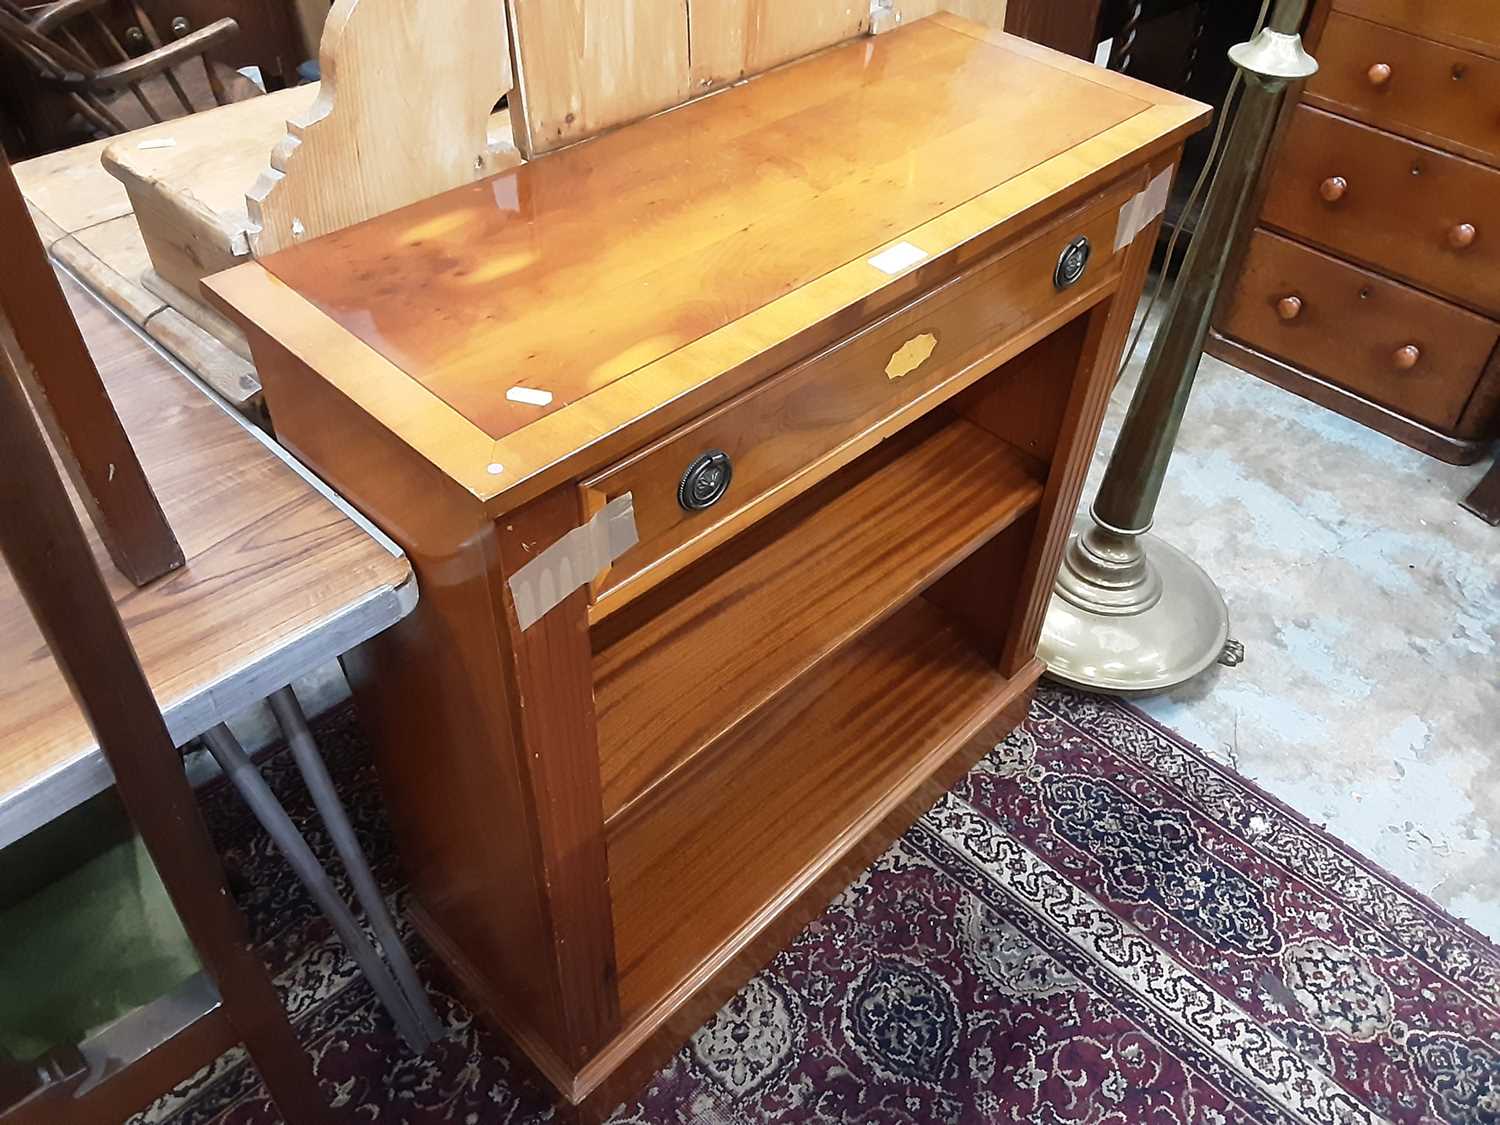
[(700, 873)]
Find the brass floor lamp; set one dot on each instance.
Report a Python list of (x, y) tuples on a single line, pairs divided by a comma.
[(1130, 613)]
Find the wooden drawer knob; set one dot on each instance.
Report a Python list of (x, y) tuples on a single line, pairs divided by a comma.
[(1462, 236), (1379, 74), (1289, 308), (1406, 358), (1333, 188)]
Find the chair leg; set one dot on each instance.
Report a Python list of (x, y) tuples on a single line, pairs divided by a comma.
[(309, 760), (257, 794)]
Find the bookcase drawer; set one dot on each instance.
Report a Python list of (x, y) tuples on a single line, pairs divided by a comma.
[(698, 485)]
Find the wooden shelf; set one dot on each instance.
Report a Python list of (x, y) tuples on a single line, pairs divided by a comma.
[(831, 565), (702, 870)]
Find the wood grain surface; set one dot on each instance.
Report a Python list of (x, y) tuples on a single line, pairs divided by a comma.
[(71, 187), (1402, 203), (1353, 323), (845, 554), (817, 415), (584, 65), (267, 556), (788, 699), (368, 144), (484, 288), (1437, 94), (1474, 24), (786, 794), (47, 352), (762, 322), (57, 578)]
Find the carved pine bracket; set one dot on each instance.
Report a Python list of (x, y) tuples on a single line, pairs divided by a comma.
[(403, 114)]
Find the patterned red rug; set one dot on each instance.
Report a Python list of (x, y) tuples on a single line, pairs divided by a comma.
[(1099, 925)]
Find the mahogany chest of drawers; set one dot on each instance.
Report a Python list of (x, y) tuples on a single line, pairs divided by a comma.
[(1372, 282), (735, 452)]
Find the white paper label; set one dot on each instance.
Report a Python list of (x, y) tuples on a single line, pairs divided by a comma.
[(529, 396), (898, 258)]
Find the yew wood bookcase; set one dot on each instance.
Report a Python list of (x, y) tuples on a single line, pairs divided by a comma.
[(735, 451)]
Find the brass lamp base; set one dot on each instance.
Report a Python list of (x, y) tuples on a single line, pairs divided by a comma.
[(1130, 614)]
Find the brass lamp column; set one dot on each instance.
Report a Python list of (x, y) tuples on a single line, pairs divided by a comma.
[(1130, 613)]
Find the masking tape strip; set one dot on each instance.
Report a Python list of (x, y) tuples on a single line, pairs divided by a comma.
[(575, 559), (1142, 209)]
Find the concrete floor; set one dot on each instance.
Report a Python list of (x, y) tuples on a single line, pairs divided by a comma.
[(1368, 602)]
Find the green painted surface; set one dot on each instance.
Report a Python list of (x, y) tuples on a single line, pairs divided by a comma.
[(91, 943)]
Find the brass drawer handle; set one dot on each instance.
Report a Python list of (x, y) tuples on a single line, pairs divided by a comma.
[(1333, 188), (1462, 236), (1379, 74), (1289, 308), (706, 480), (1406, 358)]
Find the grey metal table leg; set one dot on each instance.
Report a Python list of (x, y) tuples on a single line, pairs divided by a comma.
[(246, 778), (309, 760)]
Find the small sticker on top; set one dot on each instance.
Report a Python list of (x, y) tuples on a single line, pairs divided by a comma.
[(898, 258), (530, 396)]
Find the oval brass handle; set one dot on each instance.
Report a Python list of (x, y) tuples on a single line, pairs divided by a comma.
[(1379, 74), (1289, 308), (1333, 188), (1406, 358), (1462, 236)]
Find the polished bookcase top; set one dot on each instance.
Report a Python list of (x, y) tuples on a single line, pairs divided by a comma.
[(646, 251)]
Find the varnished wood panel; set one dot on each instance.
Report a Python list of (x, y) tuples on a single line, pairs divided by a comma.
[(1401, 204), (438, 694), (485, 287), (580, 439), (1474, 24), (1350, 325), (755, 212), (549, 666), (242, 518), (1351, 404), (787, 794), (846, 553), (1067, 25), (799, 422), (586, 66), (1481, 417), (1436, 94)]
